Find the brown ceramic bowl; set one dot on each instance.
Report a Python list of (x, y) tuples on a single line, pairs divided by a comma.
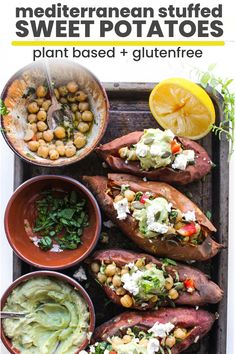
[(21, 207), (62, 71), (7, 342)]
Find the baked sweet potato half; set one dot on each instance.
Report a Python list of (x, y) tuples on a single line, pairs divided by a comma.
[(163, 331), (176, 161), (155, 216), (140, 281)]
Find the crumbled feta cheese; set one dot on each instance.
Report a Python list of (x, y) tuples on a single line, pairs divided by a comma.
[(169, 134), (144, 179), (122, 208), (190, 154), (80, 274), (106, 351), (131, 265), (142, 150), (153, 346), (161, 329), (156, 150), (180, 162), (152, 210), (158, 227), (131, 281), (196, 339), (169, 207), (189, 216), (83, 352), (56, 248)]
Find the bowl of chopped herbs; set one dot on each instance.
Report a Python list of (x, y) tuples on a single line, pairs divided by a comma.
[(52, 222)]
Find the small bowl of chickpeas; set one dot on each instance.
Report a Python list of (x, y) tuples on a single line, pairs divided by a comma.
[(83, 118)]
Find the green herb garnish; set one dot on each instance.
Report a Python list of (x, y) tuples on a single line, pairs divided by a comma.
[(168, 261), (209, 214), (62, 219), (3, 108), (227, 126), (28, 92)]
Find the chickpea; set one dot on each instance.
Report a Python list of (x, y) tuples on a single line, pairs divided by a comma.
[(84, 106), (117, 341), (80, 141), (48, 135), (28, 135), (33, 107), (39, 101), (116, 281), (132, 155), (59, 142), (42, 142), (127, 339), (169, 282), (32, 118), (123, 152), (63, 90), (72, 86), (43, 151), (170, 341), (101, 278), (124, 271), (178, 225), (180, 333), (42, 115), (154, 298), (126, 301), (60, 132), (39, 135), (61, 150), (109, 280), (74, 107), (41, 91), (83, 127), (33, 127), (140, 262), (46, 104), (129, 195), (95, 267), (70, 151), (110, 270), (52, 147), (179, 216), (87, 116), (63, 100), (118, 271), (173, 294), (144, 341), (80, 96), (53, 154), (57, 94), (41, 126), (33, 145), (78, 116), (71, 98), (120, 291)]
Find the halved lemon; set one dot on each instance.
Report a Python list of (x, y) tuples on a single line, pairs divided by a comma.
[(182, 106)]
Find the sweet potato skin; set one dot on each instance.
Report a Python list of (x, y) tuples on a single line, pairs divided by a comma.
[(201, 321), (208, 249), (206, 290), (109, 153)]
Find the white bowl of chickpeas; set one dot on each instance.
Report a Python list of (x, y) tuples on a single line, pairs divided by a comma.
[(26, 100)]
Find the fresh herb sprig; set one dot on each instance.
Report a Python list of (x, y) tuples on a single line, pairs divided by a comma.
[(3, 108), (61, 219), (227, 126)]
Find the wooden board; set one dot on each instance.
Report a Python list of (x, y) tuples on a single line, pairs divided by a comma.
[(128, 112)]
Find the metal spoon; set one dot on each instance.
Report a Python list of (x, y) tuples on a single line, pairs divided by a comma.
[(56, 114), (11, 314)]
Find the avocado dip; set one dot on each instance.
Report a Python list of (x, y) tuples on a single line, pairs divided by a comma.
[(57, 319)]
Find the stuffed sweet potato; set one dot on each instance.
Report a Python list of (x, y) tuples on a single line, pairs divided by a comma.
[(163, 331), (157, 217), (157, 155), (140, 281)]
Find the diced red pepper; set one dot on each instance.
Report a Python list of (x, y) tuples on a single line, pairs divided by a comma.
[(189, 284), (112, 352), (144, 198), (175, 147), (187, 230)]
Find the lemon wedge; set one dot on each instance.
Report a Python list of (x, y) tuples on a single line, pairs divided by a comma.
[(182, 106)]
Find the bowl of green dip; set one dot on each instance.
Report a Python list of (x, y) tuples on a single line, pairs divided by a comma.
[(59, 315)]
